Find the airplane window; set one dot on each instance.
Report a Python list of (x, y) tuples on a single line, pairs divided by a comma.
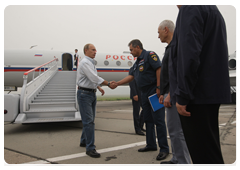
[(118, 63), (106, 63), (129, 63)]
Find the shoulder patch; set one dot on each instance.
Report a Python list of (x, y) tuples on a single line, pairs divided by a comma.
[(154, 57)]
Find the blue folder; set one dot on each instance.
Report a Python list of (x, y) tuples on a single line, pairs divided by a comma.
[(154, 101)]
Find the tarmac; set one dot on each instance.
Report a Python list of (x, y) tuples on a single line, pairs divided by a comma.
[(115, 139)]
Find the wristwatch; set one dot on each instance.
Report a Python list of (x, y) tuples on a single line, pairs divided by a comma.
[(158, 87), (108, 84)]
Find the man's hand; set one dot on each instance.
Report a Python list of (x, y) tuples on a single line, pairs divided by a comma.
[(135, 98), (167, 101), (161, 99), (113, 85), (182, 110), (101, 90)]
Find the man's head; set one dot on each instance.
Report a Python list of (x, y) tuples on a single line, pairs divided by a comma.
[(90, 50), (135, 47), (76, 50), (165, 31)]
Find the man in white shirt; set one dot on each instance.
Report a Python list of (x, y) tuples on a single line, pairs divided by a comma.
[(88, 81)]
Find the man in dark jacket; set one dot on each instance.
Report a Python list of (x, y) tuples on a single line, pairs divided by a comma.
[(199, 78), (135, 95)]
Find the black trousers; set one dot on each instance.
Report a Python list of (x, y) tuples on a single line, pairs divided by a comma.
[(201, 131), (137, 117)]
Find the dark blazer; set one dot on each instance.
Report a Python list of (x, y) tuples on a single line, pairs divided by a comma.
[(198, 60)]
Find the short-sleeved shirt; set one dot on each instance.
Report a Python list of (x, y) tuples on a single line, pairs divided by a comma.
[(144, 69)]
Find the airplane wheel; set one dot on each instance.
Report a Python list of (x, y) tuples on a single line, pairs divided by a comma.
[(235, 98)]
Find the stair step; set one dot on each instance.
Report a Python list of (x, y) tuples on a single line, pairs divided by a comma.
[(51, 103), (61, 86), (57, 91), (66, 89), (51, 110), (53, 100), (52, 119), (52, 106), (54, 97), (58, 94), (39, 117)]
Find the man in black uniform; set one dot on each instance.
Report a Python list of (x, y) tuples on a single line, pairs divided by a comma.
[(146, 70), (199, 78), (135, 95)]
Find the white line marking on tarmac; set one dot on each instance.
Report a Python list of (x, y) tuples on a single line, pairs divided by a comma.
[(78, 155), (121, 111), (223, 124), (233, 122)]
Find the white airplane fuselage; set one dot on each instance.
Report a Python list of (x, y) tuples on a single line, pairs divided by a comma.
[(17, 62)]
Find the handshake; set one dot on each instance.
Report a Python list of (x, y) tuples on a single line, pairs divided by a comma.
[(113, 85)]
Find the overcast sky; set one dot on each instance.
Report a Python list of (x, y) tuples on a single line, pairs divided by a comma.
[(109, 28)]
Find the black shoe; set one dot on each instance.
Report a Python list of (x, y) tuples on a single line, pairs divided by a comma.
[(82, 145), (146, 149), (162, 155), (93, 153), (143, 130), (140, 133), (168, 163)]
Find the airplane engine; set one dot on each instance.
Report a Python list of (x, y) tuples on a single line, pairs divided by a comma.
[(232, 61), (233, 64)]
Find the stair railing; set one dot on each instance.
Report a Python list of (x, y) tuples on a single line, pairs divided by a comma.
[(31, 89)]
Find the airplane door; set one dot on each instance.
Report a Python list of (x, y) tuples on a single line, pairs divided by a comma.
[(67, 62)]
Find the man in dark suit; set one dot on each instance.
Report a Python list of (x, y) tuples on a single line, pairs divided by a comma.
[(199, 78), (135, 95)]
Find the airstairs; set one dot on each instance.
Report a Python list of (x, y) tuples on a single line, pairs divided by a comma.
[(50, 97)]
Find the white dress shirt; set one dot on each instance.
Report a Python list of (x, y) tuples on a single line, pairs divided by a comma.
[(87, 74)]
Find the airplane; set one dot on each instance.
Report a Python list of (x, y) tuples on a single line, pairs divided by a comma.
[(16, 62), (232, 75)]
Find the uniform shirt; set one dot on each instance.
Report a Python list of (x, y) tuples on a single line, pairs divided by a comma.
[(164, 77), (144, 69), (87, 74), (198, 63)]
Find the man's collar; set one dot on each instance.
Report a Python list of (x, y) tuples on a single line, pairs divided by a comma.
[(142, 54), (89, 58), (168, 45)]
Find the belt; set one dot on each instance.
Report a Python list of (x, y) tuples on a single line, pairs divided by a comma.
[(91, 90)]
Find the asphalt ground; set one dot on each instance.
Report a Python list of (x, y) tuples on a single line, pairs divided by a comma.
[(115, 139)]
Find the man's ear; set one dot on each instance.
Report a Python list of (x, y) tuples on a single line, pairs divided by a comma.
[(166, 30)]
